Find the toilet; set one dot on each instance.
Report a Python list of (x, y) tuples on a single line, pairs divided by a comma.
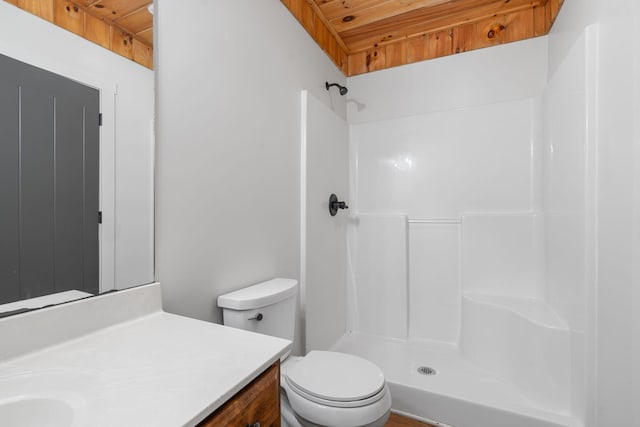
[(323, 388)]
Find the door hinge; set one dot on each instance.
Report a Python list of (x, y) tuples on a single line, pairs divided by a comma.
[(99, 119), (99, 217)]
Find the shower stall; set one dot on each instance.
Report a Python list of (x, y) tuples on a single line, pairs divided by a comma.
[(477, 264), (447, 259)]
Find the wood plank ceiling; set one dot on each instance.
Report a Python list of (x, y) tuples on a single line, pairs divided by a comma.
[(122, 26), (362, 36)]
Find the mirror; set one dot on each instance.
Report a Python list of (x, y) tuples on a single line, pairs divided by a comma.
[(76, 217)]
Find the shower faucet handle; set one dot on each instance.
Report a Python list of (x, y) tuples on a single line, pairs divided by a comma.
[(335, 204)]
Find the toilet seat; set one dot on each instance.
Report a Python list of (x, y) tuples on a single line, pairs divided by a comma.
[(333, 403), (336, 377)]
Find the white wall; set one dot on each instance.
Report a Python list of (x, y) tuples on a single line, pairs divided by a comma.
[(503, 73), (616, 114), (325, 171), (568, 199), (636, 279), (593, 93), (127, 101), (230, 74), (441, 164), (502, 255), (379, 274)]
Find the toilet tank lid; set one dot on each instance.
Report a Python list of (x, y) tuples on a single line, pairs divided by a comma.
[(259, 295)]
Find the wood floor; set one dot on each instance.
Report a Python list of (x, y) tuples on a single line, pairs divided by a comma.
[(400, 421)]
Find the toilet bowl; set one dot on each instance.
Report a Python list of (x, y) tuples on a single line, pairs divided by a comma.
[(323, 388)]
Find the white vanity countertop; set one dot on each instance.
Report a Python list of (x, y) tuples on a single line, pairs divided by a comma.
[(156, 370)]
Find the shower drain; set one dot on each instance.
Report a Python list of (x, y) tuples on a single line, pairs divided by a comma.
[(425, 370)]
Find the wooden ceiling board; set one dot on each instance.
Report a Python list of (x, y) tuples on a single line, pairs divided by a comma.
[(127, 16), (146, 36), (69, 16), (136, 21), (43, 9), (142, 54), (313, 6), (390, 9), (449, 9), (97, 31), (424, 21), (122, 43), (114, 9), (318, 29), (339, 9)]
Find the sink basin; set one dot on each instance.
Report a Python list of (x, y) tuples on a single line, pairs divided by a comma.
[(36, 412)]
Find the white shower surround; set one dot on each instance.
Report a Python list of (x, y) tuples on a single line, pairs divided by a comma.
[(469, 198)]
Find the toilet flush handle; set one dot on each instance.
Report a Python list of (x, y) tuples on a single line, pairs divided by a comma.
[(257, 317)]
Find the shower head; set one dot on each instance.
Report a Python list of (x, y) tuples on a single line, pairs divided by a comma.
[(343, 90)]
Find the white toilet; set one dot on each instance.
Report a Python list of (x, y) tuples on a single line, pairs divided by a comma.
[(324, 388)]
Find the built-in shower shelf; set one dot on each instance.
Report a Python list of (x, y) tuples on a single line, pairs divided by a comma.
[(523, 341), (531, 309)]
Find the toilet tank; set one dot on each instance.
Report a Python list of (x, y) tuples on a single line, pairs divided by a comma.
[(267, 308)]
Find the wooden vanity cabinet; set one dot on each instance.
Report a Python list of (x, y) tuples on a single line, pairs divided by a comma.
[(256, 405)]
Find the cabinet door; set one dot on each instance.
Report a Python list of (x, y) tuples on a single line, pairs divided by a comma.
[(258, 404)]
